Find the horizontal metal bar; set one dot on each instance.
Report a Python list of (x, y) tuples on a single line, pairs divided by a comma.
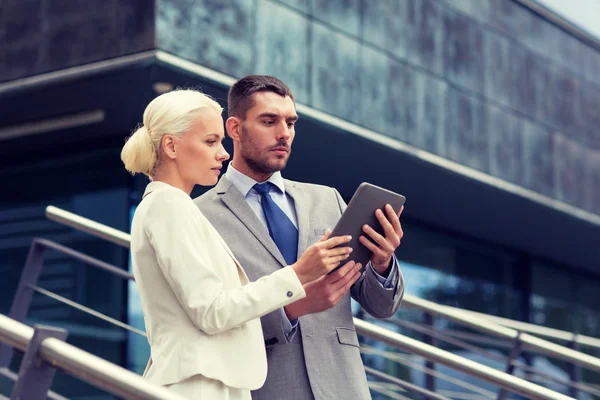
[(473, 348), (478, 338), (384, 389), (456, 395), (87, 310), (485, 325), (440, 335), (462, 364), (85, 366), (52, 124), (8, 374), (76, 72), (87, 225), (445, 337), (538, 330), (13, 376), (536, 376), (82, 330), (94, 262), (543, 377), (403, 384), (409, 361)]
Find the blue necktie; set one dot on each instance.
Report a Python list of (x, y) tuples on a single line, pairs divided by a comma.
[(282, 230)]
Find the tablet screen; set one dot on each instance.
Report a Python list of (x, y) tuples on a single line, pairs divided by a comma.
[(361, 210)]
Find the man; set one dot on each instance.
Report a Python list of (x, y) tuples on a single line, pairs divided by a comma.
[(267, 221)]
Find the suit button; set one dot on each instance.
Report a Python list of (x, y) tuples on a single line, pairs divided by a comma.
[(290, 294)]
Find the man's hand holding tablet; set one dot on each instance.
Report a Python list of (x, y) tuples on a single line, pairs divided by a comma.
[(372, 218)]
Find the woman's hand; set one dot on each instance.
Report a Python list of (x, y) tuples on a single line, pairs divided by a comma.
[(322, 257)]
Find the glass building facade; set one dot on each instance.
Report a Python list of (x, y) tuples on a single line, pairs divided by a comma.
[(483, 113), (438, 265)]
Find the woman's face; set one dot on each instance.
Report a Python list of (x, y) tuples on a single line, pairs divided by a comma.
[(200, 151)]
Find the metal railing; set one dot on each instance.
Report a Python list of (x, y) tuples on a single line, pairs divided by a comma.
[(87, 225), (472, 368), (485, 325), (503, 380), (460, 340), (538, 330), (481, 321), (26, 289), (94, 370), (123, 239)]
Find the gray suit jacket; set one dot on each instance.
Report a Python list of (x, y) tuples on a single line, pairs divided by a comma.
[(321, 361)]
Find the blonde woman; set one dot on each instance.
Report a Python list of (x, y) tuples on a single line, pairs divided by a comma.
[(201, 312)]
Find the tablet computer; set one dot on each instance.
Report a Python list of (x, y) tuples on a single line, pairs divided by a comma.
[(360, 211)]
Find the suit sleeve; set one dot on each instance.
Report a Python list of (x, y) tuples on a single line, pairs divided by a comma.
[(274, 329), (177, 233), (377, 300)]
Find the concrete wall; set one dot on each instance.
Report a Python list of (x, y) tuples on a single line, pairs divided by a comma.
[(38, 36), (486, 83)]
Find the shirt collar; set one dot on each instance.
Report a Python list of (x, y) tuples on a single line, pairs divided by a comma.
[(244, 183)]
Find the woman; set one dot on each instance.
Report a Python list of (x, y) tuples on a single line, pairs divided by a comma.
[(201, 312)]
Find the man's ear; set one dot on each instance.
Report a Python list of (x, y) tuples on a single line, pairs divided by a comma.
[(167, 143), (233, 125)]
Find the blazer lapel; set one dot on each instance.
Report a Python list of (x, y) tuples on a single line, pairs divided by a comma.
[(234, 200), (301, 213)]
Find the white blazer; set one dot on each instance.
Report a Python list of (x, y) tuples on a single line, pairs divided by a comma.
[(201, 312)]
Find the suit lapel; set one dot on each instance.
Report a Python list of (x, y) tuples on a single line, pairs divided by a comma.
[(227, 249), (234, 200), (301, 213)]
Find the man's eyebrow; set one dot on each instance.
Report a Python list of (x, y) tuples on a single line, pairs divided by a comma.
[(268, 115), (275, 115)]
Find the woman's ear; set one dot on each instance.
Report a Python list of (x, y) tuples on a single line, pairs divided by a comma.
[(233, 125), (167, 144)]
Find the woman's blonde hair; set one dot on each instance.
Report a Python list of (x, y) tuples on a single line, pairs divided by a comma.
[(170, 113)]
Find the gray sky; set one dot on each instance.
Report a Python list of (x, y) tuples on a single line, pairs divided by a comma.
[(585, 13)]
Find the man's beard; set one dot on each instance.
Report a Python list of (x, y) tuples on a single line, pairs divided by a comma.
[(260, 166)]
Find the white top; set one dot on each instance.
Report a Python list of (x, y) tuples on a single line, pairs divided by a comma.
[(200, 310)]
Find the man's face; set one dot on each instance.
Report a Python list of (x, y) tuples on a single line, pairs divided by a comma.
[(267, 133)]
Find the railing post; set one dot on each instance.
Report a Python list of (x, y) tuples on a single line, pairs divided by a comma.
[(23, 296), (510, 366), (574, 369), (35, 375), (429, 321)]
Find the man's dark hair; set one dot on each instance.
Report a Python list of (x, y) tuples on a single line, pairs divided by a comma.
[(239, 100)]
